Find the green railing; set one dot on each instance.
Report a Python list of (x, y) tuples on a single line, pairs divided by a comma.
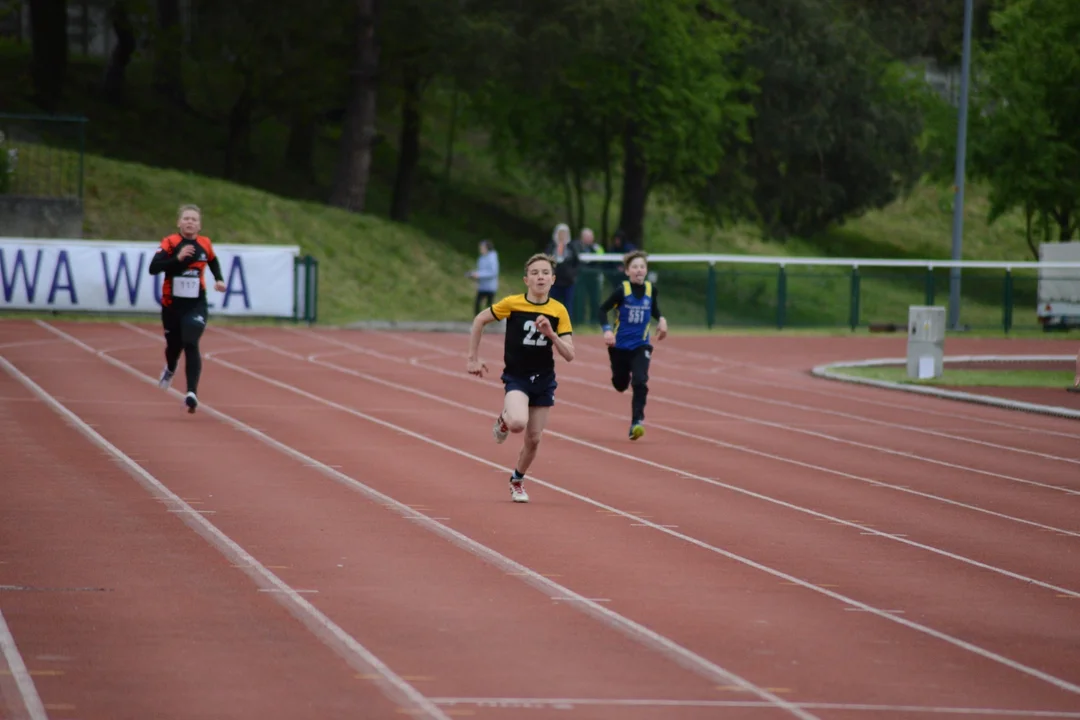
[(42, 156), (794, 292), (306, 298)]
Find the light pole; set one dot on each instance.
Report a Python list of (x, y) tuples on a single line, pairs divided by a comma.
[(958, 186)]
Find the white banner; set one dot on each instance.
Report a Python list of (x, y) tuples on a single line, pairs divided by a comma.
[(108, 276)]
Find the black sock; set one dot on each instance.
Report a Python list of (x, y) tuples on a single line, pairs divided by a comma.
[(517, 475), (637, 403)]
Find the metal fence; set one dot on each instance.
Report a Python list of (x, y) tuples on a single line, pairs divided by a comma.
[(795, 292), (42, 156)]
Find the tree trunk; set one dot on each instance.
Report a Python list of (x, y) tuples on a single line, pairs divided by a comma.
[(49, 59), (449, 162), (300, 149), (167, 51), (114, 83), (238, 141), (635, 190), (1065, 225), (579, 190), (604, 223), (358, 131), (408, 148), (1029, 211), (568, 197)]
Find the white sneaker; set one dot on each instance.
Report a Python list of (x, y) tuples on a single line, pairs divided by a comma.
[(517, 491), (499, 430), (191, 401), (166, 379)]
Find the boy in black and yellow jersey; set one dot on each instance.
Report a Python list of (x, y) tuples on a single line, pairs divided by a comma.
[(536, 326)]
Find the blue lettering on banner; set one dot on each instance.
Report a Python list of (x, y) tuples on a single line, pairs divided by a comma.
[(237, 268), (62, 262), (114, 285), (17, 266), (159, 282)]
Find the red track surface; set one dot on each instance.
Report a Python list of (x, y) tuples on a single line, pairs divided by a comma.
[(331, 535)]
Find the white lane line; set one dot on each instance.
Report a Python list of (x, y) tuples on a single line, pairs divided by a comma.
[(957, 642), (767, 455), (571, 703), (901, 538), (669, 648), (846, 396), (361, 659), (23, 682), (803, 431), (844, 441), (27, 343)]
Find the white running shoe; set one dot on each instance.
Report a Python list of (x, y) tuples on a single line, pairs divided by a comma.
[(191, 401), (517, 491), (500, 430), (166, 379)]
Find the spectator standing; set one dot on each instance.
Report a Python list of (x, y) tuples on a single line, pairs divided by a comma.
[(589, 244), (486, 276), (567, 256)]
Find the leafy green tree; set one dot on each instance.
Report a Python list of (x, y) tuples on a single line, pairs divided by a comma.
[(836, 124), (1025, 136), (644, 81), (919, 28), (423, 41), (686, 96)]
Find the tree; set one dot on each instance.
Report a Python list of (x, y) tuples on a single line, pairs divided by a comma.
[(114, 83), (48, 32), (358, 130), (254, 61), (422, 40), (168, 60), (1025, 136), (836, 123), (907, 29), (650, 80), (687, 96)]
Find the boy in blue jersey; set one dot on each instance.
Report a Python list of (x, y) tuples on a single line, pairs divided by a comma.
[(628, 341)]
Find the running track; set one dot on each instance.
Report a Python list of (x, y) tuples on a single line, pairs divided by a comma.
[(331, 536)]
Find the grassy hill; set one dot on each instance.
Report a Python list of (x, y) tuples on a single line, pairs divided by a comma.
[(146, 158)]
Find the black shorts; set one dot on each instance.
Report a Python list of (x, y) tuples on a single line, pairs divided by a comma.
[(539, 388), (185, 322)]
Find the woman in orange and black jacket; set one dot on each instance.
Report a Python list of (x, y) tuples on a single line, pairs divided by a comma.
[(184, 311)]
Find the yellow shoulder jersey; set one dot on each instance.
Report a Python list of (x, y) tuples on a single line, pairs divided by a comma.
[(526, 351)]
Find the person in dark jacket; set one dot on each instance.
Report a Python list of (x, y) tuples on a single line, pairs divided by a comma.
[(567, 255)]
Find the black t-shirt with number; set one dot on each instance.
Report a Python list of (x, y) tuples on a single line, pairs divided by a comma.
[(527, 352)]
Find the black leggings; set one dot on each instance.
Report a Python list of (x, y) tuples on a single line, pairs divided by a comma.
[(485, 297), (630, 368), (184, 325)]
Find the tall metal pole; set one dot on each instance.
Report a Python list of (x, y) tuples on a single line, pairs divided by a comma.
[(961, 159)]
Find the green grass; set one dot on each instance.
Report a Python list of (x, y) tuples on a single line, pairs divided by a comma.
[(368, 267), (968, 378), (146, 158)]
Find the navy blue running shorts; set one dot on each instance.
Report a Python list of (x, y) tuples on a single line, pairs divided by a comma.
[(539, 388)]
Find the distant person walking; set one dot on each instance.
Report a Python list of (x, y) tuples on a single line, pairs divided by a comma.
[(486, 276), (567, 256)]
